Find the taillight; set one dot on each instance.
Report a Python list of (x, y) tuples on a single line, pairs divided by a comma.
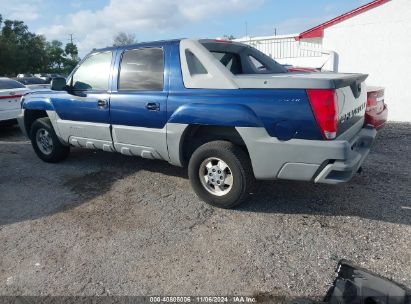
[(375, 100), (372, 101), (324, 105)]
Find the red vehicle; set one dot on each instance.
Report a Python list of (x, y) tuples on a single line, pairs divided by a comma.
[(293, 69), (376, 112)]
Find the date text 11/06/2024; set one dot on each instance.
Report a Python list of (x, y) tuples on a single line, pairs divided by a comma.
[(222, 299)]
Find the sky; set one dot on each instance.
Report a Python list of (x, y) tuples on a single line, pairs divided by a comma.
[(94, 23)]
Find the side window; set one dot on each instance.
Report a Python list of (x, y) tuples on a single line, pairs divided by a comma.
[(142, 69), (257, 64), (195, 67), (93, 73)]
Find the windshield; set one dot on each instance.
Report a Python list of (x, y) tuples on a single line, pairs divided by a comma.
[(242, 59)]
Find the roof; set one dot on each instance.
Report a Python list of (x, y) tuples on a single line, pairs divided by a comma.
[(158, 43), (318, 31)]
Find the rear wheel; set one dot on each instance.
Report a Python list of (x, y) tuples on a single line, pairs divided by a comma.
[(45, 142), (221, 174)]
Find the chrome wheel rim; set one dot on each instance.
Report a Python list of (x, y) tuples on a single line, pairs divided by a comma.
[(44, 141), (216, 176)]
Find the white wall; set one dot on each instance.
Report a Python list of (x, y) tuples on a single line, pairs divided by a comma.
[(378, 43)]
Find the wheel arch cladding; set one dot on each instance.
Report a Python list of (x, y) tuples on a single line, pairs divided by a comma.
[(44, 104), (30, 116), (196, 135)]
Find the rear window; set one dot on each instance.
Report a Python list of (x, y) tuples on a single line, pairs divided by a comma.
[(7, 84), (231, 61), (242, 59), (259, 66)]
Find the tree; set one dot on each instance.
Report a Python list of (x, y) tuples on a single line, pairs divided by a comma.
[(71, 50), (123, 38), (14, 38), (37, 59), (55, 52), (25, 52)]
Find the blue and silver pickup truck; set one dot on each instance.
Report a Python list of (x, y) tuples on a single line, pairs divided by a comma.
[(224, 109)]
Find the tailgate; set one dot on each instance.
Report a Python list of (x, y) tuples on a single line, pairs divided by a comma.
[(351, 101)]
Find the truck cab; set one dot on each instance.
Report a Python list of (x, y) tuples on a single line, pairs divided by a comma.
[(224, 109)]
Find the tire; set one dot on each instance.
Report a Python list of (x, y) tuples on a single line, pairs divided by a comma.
[(46, 143), (207, 167)]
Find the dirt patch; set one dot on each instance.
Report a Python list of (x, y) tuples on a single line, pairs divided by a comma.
[(90, 184)]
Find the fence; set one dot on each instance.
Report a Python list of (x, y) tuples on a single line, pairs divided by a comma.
[(288, 51), (284, 47)]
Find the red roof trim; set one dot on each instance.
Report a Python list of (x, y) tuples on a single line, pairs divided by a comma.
[(318, 31)]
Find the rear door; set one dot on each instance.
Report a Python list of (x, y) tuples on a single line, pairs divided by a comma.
[(84, 113), (138, 103)]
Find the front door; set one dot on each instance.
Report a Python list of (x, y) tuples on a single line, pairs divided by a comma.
[(84, 114), (138, 104)]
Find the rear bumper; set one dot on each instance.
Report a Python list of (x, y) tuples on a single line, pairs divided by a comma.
[(329, 162), (9, 114), (338, 171)]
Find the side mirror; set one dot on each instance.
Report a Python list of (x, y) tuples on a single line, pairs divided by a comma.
[(58, 84)]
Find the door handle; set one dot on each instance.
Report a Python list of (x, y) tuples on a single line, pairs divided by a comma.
[(153, 106), (102, 103)]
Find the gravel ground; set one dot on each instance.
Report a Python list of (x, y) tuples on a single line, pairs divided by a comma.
[(107, 224)]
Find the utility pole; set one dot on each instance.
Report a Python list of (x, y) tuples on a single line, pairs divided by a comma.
[(275, 31), (71, 38)]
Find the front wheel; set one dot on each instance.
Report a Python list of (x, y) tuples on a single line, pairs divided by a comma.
[(45, 142), (221, 174)]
